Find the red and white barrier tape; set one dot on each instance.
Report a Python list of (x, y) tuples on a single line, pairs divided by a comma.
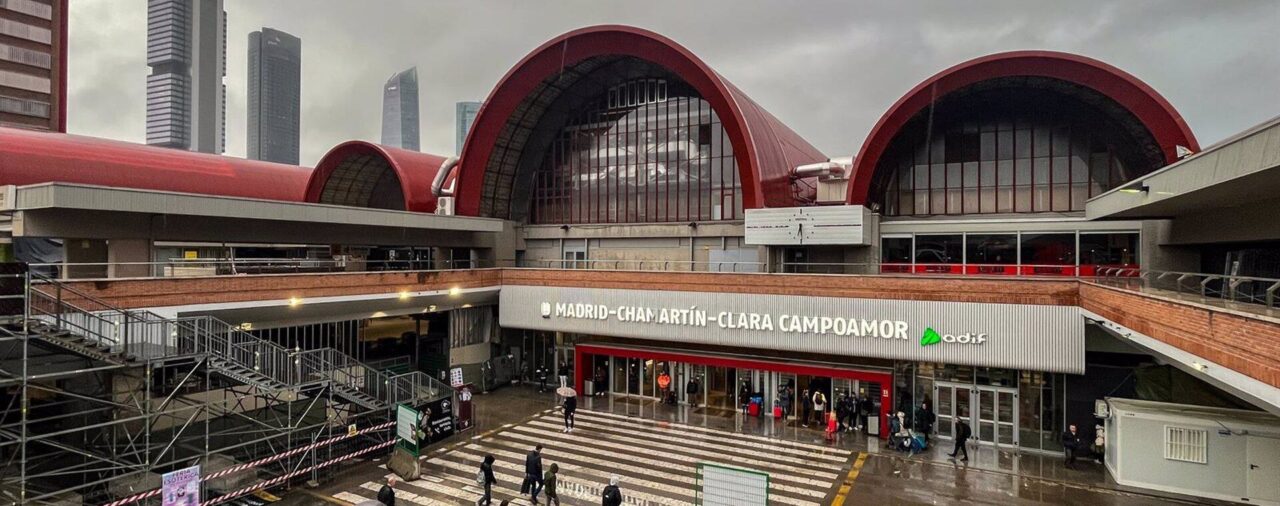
[(280, 479), (266, 460)]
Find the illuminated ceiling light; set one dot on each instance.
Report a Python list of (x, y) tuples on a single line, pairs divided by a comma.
[(431, 308), (466, 305), (1198, 366), (404, 294), (246, 326), (294, 301), (378, 314), (455, 291)]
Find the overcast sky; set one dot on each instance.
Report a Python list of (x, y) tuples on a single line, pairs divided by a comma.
[(827, 69)]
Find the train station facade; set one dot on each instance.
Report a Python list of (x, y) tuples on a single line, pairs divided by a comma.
[(972, 255)]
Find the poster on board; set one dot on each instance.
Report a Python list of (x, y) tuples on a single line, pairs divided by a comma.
[(181, 487)]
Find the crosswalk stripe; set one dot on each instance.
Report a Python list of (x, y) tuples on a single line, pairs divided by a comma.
[(783, 442), (676, 472), (738, 438), (403, 495), (795, 481), (722, 443), (657, 461), (518, 471), (637, 443)]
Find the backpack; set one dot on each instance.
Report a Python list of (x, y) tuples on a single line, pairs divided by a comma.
[(965, 431)]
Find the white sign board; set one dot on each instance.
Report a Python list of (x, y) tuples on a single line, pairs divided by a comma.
[(806, 225), (726, 486), (406, 423), (455, 377), (181, 487)]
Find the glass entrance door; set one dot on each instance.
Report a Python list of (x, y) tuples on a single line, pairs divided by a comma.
[(997, 416), (991, 412)]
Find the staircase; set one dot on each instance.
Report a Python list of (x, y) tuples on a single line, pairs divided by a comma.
[(64, 318)]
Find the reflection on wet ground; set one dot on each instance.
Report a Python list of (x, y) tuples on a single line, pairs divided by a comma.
[(885, 476)]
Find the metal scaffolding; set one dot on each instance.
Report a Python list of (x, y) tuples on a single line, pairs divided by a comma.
[(97, 402)]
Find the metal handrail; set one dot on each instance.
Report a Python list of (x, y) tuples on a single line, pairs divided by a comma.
[(1243, 289)]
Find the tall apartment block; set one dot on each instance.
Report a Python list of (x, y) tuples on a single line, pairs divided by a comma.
[(186, 91), (466, 115), (400, 110), (275, 96), (33, 64)]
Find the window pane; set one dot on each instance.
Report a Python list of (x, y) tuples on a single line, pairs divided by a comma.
[(939, 249), (1048, 250)]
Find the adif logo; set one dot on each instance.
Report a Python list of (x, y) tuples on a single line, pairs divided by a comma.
[(932, 337), (546, 309)]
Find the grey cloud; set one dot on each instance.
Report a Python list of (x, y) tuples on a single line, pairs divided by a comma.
[(828, 69)]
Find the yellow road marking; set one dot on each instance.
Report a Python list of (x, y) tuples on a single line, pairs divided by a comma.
[(847, 485)]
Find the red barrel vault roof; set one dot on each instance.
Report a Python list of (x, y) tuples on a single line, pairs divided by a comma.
[(766, 150), (1149, 107), (33, 157), (413, 170)]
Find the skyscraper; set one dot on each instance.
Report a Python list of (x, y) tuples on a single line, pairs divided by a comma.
[(466, 115), (33, 64), (275, 96), (400, 110), (186, 95)]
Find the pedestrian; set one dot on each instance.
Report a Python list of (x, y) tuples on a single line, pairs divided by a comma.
[(564, 375), (664, 386), (601, 382), (833, 426), (963, 433), (532, 484), (786, 400), (1070, 445), (612, 495), (744, 397), (486, 479), (895, 431), (570, 406), (925, 419), (819, 406), (865, 408), (806, 404), (692, 390), (549, 484), (387, 495)]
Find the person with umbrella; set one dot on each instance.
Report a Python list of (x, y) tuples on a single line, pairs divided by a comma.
[(570, 405)]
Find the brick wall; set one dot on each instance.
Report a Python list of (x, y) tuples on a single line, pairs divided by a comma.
[(135, 293), (1248, 345)]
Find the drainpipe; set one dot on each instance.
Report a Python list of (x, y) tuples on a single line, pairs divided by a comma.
[(442, 175)]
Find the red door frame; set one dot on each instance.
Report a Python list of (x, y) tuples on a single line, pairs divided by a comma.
[(582, 354)]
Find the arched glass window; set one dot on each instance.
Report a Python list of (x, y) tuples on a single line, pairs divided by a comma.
[(1005, 151), (644, 151)]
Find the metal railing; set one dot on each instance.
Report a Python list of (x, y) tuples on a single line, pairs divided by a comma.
[(1240, 289), (144, 335), (177, 268)]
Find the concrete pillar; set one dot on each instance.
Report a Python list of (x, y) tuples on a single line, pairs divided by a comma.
[(85, 251), (134, 253)]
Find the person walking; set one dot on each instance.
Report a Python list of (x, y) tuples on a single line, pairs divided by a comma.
[(563, 373), (570, 407), (1070, 445), (806, 404), (865, 408), (963, 433), (612, 495), (692, 390), (486, 480), (925, 420), (601, 382), (532, 484), (819, 406), (549, 484), (387, 495)]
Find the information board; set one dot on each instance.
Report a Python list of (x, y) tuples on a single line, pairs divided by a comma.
[(728, 486), (181, 487), (407, 427), (455, 377)]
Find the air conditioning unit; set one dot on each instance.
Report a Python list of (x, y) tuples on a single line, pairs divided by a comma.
[(444, 206)]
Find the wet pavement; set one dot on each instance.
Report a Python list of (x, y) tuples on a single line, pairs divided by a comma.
[(654, 448)]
